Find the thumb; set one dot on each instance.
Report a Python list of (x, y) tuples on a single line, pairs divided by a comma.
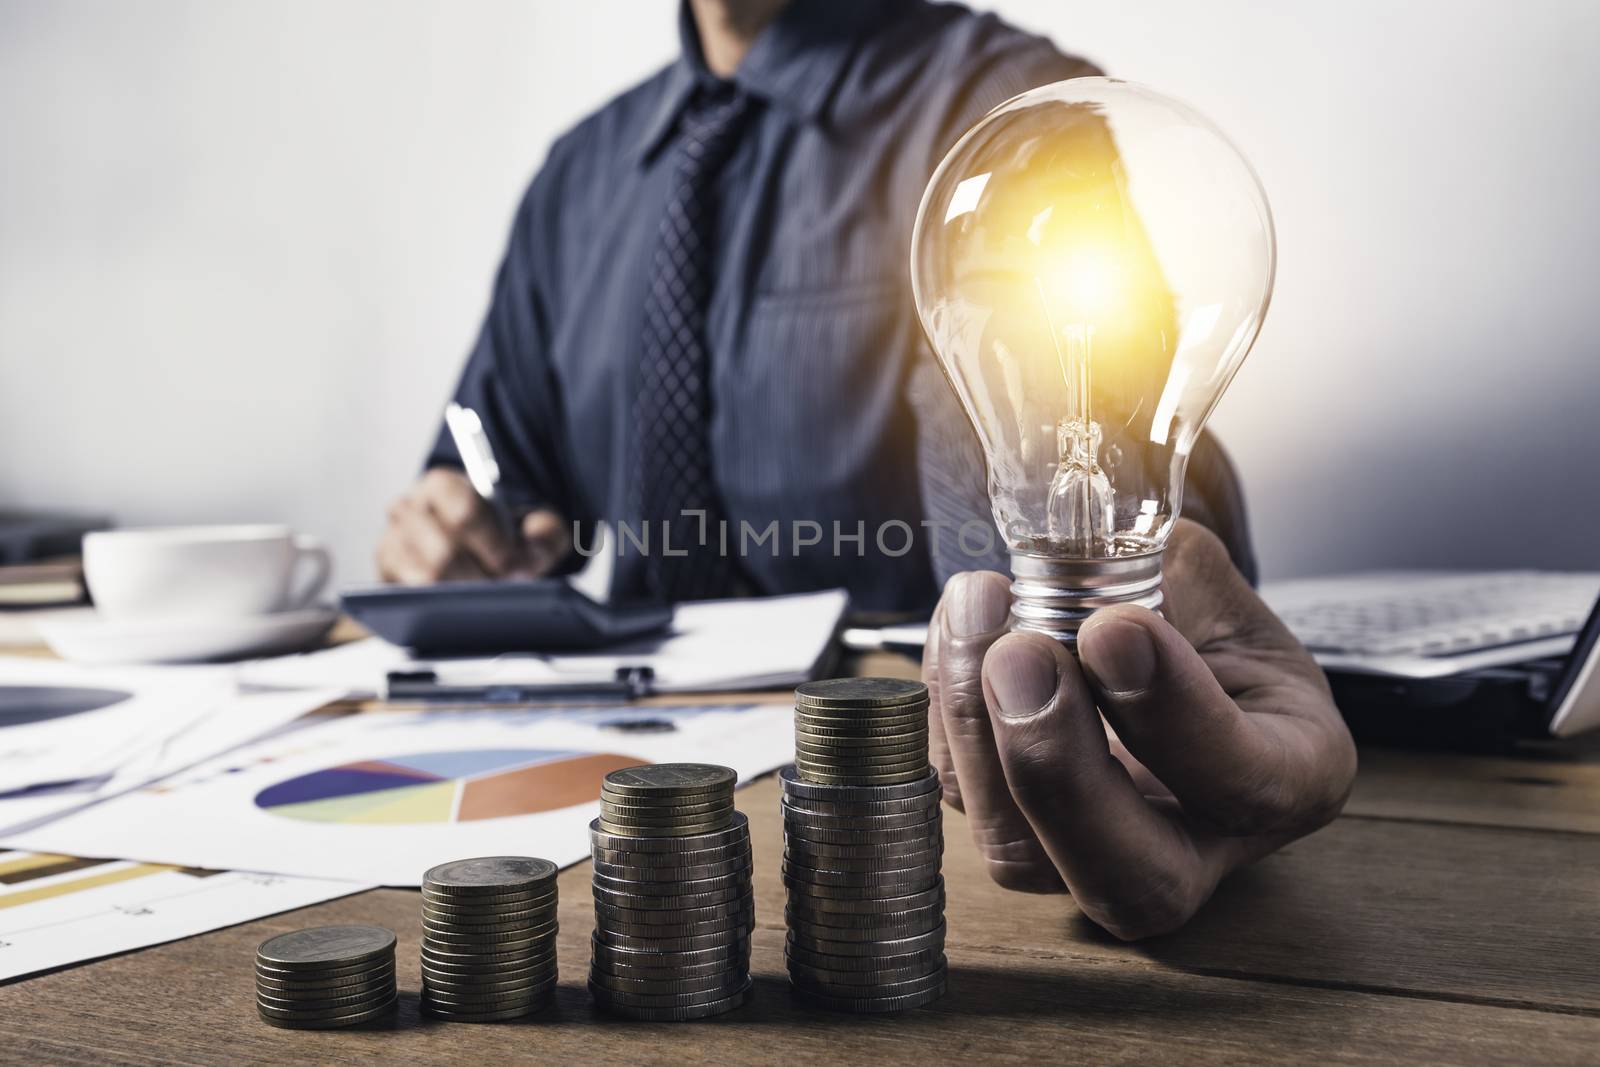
[(545, 541)]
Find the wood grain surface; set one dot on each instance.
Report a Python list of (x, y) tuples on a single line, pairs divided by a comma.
[(1374, 941)]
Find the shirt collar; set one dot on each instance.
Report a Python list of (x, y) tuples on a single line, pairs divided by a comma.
[(793, 64)]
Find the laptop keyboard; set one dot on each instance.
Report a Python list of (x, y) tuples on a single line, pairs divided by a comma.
[(1423, 613)]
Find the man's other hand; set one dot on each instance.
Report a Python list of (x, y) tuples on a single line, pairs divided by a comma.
[(1220, 741), (442, 530)]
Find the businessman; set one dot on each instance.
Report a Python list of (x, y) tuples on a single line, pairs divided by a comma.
[(703, 311)]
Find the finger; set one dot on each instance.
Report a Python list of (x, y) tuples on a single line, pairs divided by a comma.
[(425, 541), (470, 525), (938, 748), (1237, 773), (546, 541), (398, 561), (1130, 867), (976, 606)]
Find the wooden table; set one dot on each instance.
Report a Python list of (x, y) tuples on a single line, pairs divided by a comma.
[(1452, 915)]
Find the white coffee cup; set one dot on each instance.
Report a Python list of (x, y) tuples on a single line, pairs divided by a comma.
[(202, 571)]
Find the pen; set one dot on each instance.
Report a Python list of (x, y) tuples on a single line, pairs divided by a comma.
[(477, 459)]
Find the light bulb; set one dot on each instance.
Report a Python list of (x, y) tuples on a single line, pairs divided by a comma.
[(1091, 262)]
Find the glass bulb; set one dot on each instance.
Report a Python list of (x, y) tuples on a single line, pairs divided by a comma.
[(1091, 262)]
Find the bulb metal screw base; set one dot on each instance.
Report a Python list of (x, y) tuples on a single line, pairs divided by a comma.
[(1053, 596)]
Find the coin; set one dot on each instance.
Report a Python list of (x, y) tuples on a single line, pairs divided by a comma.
[(670, 780), (626, 805), (895, 778), (872, 905), (329, 1022), (614, 957), (859, 692), (623, 898), (875, 1005), (857, 980), (737, 831), (489, 1001), (494, 909), (638, 831), (659, 876), (507, 968), (608, 998), (320, 1014), (482, 1016), (800, 908), (738, 850), (887, 959), (812, 806), (859, 880), (453, 959), (735, 938), (887, 931), (324, 947), (723, 982), (489, 875), (521, 898), (696, 1011), (740, 907), (366, 972), (296, 1004), (928, 837), (487, 979), (365, 988), (796, 787), (848, 746), (516, 929), (894, 947), (899, 820), (845, 773)]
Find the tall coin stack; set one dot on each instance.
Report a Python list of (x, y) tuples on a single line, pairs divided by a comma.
[(862, 845), (326, 977), (672, 901), (488, 938)]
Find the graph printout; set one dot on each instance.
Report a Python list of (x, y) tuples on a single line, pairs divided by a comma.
[(382, 797), (57, 910)]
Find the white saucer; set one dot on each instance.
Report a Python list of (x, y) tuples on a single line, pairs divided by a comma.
[(97, 640)]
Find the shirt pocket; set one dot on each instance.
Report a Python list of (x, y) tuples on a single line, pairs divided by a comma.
[(815, 419)]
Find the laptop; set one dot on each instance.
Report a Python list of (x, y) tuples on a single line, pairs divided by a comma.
[(1453, 656), (1439, 658)]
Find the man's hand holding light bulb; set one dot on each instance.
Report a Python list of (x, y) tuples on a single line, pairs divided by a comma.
[(1092, 262)]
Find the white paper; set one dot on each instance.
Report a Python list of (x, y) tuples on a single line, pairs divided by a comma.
[(714, 645), (151, 707), (233, 719), (292, 804), (55, 912)]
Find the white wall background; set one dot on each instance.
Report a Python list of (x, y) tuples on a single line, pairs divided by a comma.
[(244, 245)]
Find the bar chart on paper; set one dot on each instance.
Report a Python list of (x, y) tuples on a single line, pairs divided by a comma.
[(451, 786), (57, 910)]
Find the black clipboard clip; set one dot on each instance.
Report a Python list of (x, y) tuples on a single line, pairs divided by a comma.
[(630, 683)]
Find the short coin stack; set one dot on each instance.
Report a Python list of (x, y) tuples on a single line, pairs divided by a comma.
[(488, 938), (862, 846), (326, 977), (672, 900)]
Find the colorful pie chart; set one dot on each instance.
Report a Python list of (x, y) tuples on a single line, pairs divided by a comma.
[(459, 786)]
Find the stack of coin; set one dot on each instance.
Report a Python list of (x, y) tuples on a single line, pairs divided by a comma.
[(488, 938), (672, 900), (862, 845), (326, 977)]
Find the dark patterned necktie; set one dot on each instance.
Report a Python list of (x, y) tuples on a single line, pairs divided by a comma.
[(672, 411)]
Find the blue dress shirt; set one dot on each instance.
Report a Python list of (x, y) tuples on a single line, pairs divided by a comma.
[(827, 408)]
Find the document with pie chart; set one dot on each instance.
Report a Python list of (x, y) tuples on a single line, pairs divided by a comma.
[(381, 797)]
